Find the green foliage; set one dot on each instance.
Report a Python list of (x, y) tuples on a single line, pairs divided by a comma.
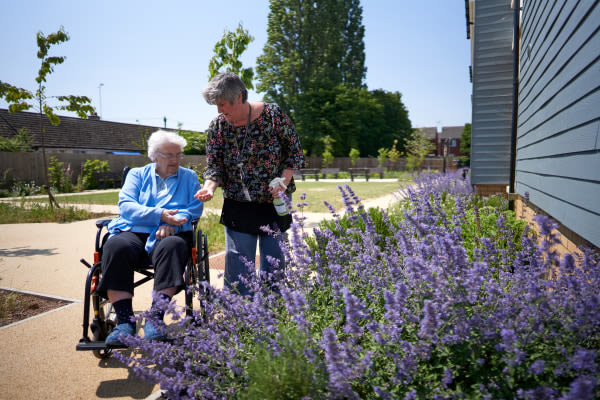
[(382, 155), (311, 51), (285, 375), (327, 154), (395, 124), (87, 179), (143, 144), (393, 154), (465, 146), (36, 212), (10, 187), (465, 140), (327, 158), (196, 142), (417, 147), (20, 143), (228, 51), (17, 98), (354, 156), (60, 176), (310, 47)]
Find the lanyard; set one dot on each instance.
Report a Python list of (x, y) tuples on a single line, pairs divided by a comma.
[(239, 162)]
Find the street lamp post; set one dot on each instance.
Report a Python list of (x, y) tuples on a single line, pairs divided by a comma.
[(100, 96)]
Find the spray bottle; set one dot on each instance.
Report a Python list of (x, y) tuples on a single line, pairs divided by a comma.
[(278, 202)]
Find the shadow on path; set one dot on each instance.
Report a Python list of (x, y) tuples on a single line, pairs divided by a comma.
[(26, 252), (132, 386)]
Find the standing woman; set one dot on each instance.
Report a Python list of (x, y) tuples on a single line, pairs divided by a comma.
[(248, 145)]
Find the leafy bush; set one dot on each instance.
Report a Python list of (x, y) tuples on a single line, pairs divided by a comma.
[(21, 142), (392, 305), (28, 212), (87, 179), (60, 176)]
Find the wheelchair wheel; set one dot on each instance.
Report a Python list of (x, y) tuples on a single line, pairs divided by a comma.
[(190, 277), (102, 326)]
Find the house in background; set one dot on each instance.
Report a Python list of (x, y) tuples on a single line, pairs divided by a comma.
[(431, 133), (76, 135), (449, 141), (449, 135), (536, 109)]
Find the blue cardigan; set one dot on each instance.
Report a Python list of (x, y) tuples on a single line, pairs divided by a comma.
[(141, 208)]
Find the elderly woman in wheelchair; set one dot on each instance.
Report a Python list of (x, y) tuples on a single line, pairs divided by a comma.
[(156, 206)]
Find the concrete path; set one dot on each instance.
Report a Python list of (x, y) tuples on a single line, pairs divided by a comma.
[(37, 356)]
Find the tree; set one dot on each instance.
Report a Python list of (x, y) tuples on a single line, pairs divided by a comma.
[(313, 66), (465, 145), (382, 155), (196, 142), (394, 154), (354, 156), (227, 54), (309, 47), (20, 143), (18, 98), (327, 154), (417, 147), (395, 122)]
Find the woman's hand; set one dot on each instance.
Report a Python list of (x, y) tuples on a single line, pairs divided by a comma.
[(207, 192), (204, 194), (168, 217), (163, 231), (274, 190)]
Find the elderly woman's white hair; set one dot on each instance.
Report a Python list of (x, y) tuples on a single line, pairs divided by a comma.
[(161, 137)]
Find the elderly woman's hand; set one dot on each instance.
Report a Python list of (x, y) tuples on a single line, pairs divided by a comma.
[(163, 231), (168, 217)]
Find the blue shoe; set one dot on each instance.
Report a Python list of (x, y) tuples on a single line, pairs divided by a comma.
[(151, 332), (114, 338)]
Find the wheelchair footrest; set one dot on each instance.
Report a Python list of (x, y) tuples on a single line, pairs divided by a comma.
[(83, 346)]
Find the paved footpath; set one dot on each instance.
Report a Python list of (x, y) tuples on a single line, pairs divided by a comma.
[(37, 356)]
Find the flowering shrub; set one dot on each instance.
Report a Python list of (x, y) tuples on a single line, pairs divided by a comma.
[(423, 302), (60, 176)]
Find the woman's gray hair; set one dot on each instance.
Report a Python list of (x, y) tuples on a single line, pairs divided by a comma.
[(225, 86), (160, 137)]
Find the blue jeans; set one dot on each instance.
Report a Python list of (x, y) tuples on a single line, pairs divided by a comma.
[(240, 245)]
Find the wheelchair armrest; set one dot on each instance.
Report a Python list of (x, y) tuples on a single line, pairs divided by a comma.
[(102, 223)]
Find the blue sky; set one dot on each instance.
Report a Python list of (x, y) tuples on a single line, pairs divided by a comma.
[(152, 56)]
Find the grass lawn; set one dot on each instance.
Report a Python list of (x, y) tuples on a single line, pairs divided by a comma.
[(319, 192), (316, 194)]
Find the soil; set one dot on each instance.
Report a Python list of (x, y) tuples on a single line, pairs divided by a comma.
[(16, 306)]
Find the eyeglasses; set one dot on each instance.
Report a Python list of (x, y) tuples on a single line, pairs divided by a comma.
[(171, 157)]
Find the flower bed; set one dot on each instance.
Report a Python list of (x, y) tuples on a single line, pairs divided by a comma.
[(445, 296)]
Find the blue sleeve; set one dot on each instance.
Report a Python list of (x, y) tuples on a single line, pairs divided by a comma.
[(194, 207), (130, 206)]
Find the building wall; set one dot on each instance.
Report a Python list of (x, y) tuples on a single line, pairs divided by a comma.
[(558, 144), (492, 92)]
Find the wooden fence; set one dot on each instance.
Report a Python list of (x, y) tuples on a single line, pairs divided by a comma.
[(29, 166)]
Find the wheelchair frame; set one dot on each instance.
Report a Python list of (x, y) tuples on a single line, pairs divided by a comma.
[(196, 270)]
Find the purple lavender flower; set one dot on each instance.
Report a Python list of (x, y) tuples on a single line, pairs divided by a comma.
[(429, 324), (537, 367), (582, 388)]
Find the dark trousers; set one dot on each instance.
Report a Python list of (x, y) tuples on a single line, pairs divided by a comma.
[(125, 251)]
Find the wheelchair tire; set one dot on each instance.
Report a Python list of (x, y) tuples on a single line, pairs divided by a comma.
[(100, 334)]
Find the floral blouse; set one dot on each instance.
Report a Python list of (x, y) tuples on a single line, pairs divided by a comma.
[(256, 155)]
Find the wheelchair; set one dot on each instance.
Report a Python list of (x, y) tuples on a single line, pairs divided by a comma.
[(104, 316)]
